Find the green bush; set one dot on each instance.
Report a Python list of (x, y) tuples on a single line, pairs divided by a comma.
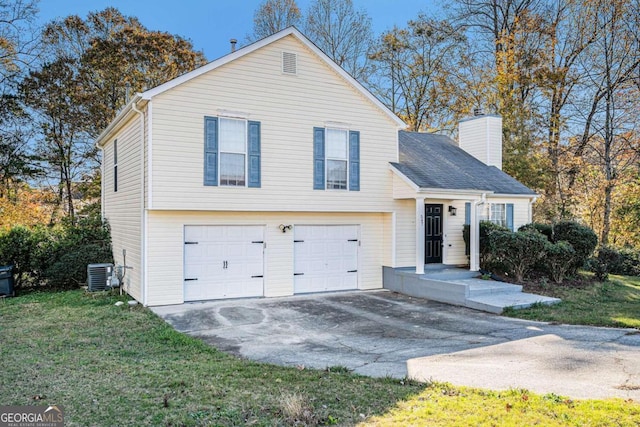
[(56, 256), (518, 252), (609, 260), (487, 260), (16, 248), (546, 229), (557, 259), (582, 238)]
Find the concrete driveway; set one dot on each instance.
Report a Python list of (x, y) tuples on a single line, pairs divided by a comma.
[(380, 333)]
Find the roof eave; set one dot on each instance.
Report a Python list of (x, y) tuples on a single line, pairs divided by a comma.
[(123, 115)]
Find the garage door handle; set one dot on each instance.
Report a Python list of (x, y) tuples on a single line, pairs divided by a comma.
[(352, 271), (190, 243), (352, 240), (298, 274), (257, 241), (298, 241), (189, 280), (255, 277)]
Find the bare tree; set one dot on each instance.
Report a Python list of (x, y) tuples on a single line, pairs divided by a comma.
[(273, 16), (343, 33), (417, 62), (610, 93)]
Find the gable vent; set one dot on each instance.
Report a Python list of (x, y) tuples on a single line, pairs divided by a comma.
[(289, 63)]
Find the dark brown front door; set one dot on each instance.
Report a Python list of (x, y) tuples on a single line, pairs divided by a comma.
[(433, 234)]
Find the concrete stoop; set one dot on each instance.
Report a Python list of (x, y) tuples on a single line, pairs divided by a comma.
[(460, 287)]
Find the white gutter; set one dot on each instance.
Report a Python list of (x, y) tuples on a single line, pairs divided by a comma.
[(143, 212), (118, 120)]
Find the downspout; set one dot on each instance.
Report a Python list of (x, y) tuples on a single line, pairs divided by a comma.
[(474, 237), (102, 185), (531, 202), (143, 212)]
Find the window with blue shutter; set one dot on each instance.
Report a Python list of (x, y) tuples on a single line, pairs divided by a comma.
[(318, 158), (336, 159), (254, 154), (210, 151), (232, 152), (354, 161), (510, 216)]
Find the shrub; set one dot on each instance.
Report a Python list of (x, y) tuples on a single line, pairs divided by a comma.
[(17, 246), (582, 238), (557, 259), (517, 252), (613, 261), (546, 229), (629, 263), (487, 259), (55, 256)]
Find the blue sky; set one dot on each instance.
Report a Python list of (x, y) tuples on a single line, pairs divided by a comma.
[(209, 24)]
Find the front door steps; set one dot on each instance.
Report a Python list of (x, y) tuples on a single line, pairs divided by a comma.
[(458, 286)]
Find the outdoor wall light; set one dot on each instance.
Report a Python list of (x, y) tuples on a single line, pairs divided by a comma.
[(284, 228), (453, 210)]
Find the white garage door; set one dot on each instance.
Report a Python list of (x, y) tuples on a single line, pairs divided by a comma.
[(325, 258), (223, 262)]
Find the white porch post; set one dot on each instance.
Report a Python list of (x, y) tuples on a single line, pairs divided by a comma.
[(474, 237), (420, 235)]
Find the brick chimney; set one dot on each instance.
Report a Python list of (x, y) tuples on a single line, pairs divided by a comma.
[(481, 136)]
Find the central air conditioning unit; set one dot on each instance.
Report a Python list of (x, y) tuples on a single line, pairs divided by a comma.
[(99, 276)]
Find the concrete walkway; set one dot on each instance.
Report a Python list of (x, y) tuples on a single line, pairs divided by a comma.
[(380, 333)]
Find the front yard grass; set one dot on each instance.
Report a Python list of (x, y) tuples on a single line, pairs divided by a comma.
[(123, 366), (615, 303)]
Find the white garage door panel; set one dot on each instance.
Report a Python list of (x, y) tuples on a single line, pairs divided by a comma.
[(325, 258), (223, 262)]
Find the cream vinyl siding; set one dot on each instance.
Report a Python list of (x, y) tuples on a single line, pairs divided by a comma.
[(405, 233), (454, 242), (401, 189), (288, 107), (166, 247), (122, 208)]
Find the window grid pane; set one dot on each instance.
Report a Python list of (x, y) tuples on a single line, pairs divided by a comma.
[(232, 169), (233, 135), (337, 144), (498, 214), (337, 174)]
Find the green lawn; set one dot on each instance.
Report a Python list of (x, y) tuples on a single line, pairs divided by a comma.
[(122, 366), (615, 303)]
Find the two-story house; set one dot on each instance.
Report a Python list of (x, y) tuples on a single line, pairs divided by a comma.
[(272, 172)]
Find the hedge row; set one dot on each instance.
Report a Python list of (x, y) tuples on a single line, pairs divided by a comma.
[(554, 250), (55, 257)]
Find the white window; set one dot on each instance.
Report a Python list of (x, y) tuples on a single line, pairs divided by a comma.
[(337, 155), (498, 214), (233, 152)]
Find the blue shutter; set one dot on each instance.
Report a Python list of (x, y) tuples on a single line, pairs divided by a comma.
[(254, 154), (354, 161), (210, 151), (467, 213), (510, 216), (318, 159)]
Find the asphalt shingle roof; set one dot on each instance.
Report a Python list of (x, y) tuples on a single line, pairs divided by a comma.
[(435, 161)]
